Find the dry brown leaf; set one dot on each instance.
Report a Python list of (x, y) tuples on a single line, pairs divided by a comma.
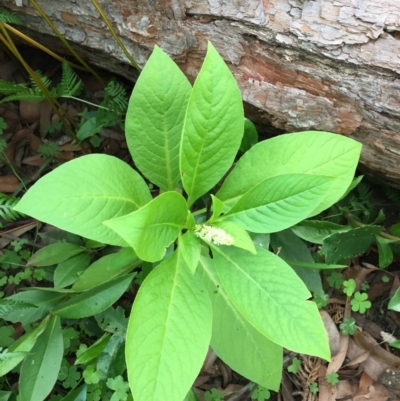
[(326, 391), (333, 332), (45, 110), (34, 160), (29, 111), (16, 232), (8, 183), (344, 390)]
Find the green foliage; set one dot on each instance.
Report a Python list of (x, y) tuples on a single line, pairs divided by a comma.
[(349, 287), (213, 395), (10, 18), (313, 387), (49, 150), (332, 378), (3, 143), (260, 393), (360, 302), (335, 280), (348, 327), (7, 204), (205, 279), (295, 366), (70, 86)]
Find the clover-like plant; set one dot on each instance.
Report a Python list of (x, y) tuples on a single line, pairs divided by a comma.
[(210, 283)]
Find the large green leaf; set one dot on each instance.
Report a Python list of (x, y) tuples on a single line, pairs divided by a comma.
[(279, 202), (213, 127), (233, 337), (311, 152), (164, 354), (272, 298), (95, 300), (154, 119), (151, 229), (40, 369), (79, 195)]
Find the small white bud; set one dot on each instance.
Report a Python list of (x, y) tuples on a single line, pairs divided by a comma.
[(213, 235)]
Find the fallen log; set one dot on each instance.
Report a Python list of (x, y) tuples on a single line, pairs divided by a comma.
[(300, 64)]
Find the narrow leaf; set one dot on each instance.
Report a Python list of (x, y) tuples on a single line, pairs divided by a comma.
[(21, 347), (53, 254), (107, 268), (79, 195), (291, 248), (174, 342), (151, 229), (39, 371), (67, 272), (190, 248), (154, 119), (213, 127), (94, 301), (233, 336), (272, 298)]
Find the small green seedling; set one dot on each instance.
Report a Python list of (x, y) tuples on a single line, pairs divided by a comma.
[(332, 378), (335, 280), (348, 327), (295, 366), (313, 387), (364, 286), (260, 393), (213, 395), (385, 279), (360, 302), (349, 286), (321, 301)]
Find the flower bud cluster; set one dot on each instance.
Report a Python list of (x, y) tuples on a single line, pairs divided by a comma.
[(213, 235)]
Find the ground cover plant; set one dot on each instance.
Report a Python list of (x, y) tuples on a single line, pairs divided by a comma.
[(207, 271)]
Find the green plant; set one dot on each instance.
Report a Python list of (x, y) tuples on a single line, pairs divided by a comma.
[(7, 204), (260, 393), (208, 279), (332, 378), (360, 302), (295, 366), (349, 287), (348, 327), (313, 387), (213, 395)]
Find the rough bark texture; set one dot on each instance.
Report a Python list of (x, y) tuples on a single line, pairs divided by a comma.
[(301, 65)]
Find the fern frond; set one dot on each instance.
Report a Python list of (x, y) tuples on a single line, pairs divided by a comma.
[(364, 193), (10, 18), (45, 80), (8, 306), (70, 84), (10, 88), (3, 145), (28, 94), (7, 204), (116, 97), (392, 193)]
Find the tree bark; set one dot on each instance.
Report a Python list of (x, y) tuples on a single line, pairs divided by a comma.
[(329, 65)]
